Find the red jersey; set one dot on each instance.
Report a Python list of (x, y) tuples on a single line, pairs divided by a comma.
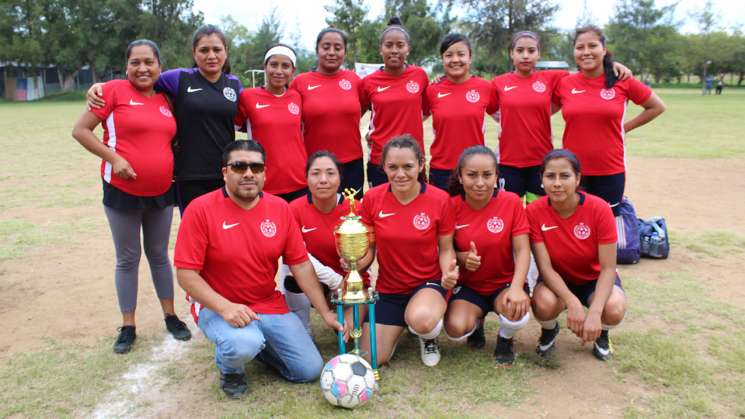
[(491, 229), (594, 120), (331, 113), (140, 129), (406, 236), (525, 116), (274, 121), (572, 242), (318, 230), (397, 106), (236, 250), (457, 118)]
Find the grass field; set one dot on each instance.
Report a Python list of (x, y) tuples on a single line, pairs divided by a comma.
[(680, 352)]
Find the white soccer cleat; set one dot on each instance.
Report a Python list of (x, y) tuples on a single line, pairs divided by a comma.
[(430, 351)]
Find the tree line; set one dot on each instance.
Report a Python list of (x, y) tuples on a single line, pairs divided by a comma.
[(75, 33)]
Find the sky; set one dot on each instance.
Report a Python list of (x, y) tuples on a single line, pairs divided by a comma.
[(307, 17)]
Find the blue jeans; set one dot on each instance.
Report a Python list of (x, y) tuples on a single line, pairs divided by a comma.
[(278, 340)]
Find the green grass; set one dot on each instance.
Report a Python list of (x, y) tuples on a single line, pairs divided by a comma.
[(61, 380)]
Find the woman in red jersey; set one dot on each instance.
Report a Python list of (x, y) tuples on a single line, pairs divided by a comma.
[(395, 94), (137, 169), (457, 103), (524, 101), (318, 214), (491, 241), (272, 117), (413, 225), (593, 104), (573, 235), (331, 107)]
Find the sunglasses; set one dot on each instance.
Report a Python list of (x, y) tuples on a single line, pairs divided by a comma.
[(240, 167)]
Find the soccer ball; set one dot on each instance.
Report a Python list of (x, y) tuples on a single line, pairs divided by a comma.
[(348, 381)]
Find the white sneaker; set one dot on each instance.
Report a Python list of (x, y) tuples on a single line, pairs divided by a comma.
[(430, 351)]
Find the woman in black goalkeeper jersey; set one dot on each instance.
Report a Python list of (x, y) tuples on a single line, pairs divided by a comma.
[(205, 101)]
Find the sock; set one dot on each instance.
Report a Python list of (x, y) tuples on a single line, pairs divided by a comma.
[(461, 338), (508, 328), (431, 334), (548, 324)]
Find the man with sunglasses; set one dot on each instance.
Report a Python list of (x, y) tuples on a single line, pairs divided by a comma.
[(227, 252)]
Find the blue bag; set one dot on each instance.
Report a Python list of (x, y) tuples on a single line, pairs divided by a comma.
[(655, 242), (629, 246)]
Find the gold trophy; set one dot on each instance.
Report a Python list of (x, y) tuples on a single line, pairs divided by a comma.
[(353, 238), (352, 242)]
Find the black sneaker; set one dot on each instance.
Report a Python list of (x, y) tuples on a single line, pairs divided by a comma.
[(177, 328), (125, 340), (547, 340), (602, 349), (503, 353), (234, 385), (477, 340)]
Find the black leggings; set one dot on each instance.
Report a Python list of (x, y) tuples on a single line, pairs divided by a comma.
[(610, 188)]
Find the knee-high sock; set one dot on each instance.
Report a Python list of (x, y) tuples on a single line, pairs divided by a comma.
[(469, 333), (508, 328), (431, 334)]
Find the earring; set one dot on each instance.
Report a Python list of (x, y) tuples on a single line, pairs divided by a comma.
[(542, 186)]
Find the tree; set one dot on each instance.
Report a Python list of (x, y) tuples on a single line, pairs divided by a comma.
[(424, 25), (171, 24), (492, 23), (707, 18), (645, 38)]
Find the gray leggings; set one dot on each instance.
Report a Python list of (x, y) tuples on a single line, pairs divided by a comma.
[(156, 230)]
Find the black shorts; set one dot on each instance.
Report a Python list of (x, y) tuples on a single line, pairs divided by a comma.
[(353, 176), (610, 188), (440, 178), (391, 308), (375, 175), (485, 302), (521, 180), (584, 291)]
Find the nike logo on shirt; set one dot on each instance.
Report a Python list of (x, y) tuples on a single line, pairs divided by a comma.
[(383, 89), (228, 226), (190, 90), (308, 230), (382, 214), (508, 88), (544, 227), (133, 103), (442, 95), (260, 106), (313, 87), (459, 226), (576, 92)]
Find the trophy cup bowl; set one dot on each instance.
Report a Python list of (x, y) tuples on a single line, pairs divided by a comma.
[(352, 242)]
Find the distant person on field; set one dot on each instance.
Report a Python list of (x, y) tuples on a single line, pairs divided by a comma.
[(573, 235), (227, 252), (137, 170), (708, 84), (720, 84), (205, 101)]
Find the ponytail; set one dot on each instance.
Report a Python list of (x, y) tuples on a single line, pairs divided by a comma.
[(610, 75)]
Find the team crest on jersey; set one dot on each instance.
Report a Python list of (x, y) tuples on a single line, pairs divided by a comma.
[(293, 108), (495, 225), (421, 221), (608, 94), (229, 94), (473, 96), (166, 112), (412, 87), (268, 228), (539, 87), (582, 231), (345, 84)]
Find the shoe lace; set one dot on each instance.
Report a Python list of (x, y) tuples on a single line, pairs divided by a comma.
[(431, 347)]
